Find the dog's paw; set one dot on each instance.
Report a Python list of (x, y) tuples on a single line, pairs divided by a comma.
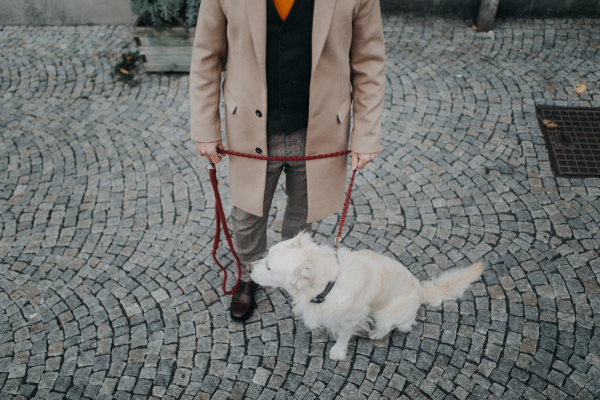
[(376, 334), (337, 353), (407, 327)]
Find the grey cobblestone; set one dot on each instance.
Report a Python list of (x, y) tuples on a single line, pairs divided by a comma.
[(108, 289)]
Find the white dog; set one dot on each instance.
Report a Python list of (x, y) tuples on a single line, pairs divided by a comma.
[(364, 288)]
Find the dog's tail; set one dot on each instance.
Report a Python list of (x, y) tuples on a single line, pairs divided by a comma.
[(450, 285)]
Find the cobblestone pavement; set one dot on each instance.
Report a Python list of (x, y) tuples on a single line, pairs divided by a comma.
[(108, 290)]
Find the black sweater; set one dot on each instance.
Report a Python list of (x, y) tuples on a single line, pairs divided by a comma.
[(288, 62)]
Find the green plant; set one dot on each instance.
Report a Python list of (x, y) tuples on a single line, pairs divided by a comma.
[(162, 14), (124, 68)]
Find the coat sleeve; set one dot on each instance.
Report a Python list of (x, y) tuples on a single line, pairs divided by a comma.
[(367, 69), (208, 54)]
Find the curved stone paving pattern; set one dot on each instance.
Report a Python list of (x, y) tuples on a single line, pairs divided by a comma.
[(108, 289)]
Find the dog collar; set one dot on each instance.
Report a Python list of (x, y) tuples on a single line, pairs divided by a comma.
[(318, 299)]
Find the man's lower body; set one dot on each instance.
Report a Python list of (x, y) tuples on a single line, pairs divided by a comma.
[(250, 231)]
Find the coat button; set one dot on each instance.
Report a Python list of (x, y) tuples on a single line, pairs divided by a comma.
[(282, 96), (282, 48), (258, 150), (258, 113), (281, 108), (283, 81)]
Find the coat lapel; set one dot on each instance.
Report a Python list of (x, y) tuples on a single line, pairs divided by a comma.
[(257, 19), (321, 21)]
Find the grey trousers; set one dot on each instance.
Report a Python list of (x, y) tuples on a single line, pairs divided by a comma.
[(250, 231)]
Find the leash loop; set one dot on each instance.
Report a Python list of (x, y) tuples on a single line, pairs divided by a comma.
[(220, 214), (220, 217)]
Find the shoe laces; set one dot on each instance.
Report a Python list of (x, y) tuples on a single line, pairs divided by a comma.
[(245, 287)]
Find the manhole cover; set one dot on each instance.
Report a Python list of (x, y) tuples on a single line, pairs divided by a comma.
[(573, 139)]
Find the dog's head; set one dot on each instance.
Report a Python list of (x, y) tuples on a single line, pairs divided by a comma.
[(298, 265)]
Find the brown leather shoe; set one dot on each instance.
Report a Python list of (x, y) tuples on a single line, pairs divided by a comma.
[(242, 301)]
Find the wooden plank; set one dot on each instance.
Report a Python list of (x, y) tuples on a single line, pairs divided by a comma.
[(143, 31), (165, 40), (487, 15), (166, 50), (152, 67), (168, 60)]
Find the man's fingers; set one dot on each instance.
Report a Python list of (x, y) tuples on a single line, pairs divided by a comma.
[(199, 148), (362, 162), (212, 155), (354, 163), (220, 147), (209, 150), (364, 158)]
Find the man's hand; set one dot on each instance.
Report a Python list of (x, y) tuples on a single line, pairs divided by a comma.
[(209, 150), (359, 160)]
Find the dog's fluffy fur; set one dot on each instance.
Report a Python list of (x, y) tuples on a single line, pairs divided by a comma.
[(370, 289)]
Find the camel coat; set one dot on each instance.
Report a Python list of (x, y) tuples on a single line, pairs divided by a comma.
[(348, 70)]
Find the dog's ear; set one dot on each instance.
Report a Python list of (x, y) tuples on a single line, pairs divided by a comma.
[(302, 277), (302, 239), (306, 239)]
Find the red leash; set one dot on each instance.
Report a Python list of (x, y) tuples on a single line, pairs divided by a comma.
[(220, 214)]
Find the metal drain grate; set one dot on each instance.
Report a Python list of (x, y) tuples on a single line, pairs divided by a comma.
[(574, 144)]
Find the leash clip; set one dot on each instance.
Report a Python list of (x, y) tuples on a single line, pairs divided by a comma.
[(337, 242)]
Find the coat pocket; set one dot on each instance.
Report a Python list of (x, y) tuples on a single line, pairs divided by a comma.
[(344, 108), (230, 103)]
